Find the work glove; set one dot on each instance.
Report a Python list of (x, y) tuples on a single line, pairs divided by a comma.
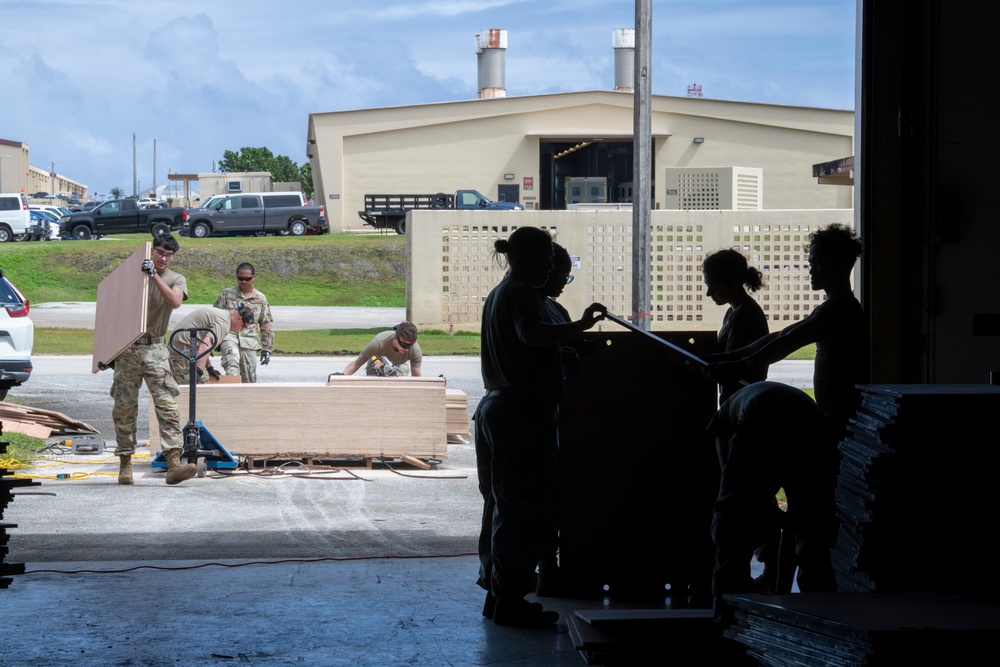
[(216, 375), (147, 267), (265, 356)]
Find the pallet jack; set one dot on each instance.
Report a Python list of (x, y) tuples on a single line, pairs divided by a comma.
[(198, 440)]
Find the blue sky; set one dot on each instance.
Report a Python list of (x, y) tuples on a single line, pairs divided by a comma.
[(200, 77)]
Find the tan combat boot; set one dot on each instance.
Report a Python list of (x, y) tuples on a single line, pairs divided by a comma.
[(125, 470), (177, 472)]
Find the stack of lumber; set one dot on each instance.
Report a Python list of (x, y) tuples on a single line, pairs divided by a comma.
[(39, 423), (853, 629), (7, 486), (631, 636), (916, 484), (457, 411), (348, 417)]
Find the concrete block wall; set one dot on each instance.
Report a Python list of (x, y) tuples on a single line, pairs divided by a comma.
[(451, 266)]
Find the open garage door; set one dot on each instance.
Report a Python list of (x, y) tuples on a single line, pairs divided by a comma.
[(584, 158)]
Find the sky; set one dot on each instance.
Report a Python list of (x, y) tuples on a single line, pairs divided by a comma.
[(201, 77)]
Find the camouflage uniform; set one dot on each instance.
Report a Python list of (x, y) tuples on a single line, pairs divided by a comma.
[(147, 359), (241, 348), (215, 319)]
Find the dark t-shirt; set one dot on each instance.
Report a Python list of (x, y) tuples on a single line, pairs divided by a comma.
[(534, 371), (740, 327)]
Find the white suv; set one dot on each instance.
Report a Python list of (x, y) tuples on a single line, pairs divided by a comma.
[(17, 336), (15, 218)]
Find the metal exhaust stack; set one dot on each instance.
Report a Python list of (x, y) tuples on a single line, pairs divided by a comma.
[(623, 41), (491, 47)]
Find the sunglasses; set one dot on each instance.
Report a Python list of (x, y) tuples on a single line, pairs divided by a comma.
[(405, 346), (244, 279), (163, 253)]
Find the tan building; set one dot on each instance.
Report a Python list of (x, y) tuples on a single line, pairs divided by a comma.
[(17, 174), (523, 148)]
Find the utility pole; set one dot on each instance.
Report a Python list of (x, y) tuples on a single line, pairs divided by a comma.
[(135, 181), (642, 159), (52, 179), (154, 168)]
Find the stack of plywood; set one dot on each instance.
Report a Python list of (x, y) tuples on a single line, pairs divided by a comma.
[(39, 423), (457, 411), (348, 417)]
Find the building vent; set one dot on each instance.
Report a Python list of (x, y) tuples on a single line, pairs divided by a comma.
[(623, 41), (491, 47)]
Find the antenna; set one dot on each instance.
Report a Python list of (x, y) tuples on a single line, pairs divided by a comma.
[(694, 90)]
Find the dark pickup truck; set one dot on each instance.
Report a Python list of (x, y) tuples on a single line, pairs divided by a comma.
[(258, 215), (389, 211), (121, 216)]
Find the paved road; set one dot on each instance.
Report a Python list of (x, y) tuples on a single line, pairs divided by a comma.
[(80, 315)]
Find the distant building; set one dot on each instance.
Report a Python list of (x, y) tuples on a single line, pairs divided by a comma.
[(523, 149)]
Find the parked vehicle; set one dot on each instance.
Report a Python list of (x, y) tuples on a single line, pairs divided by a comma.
[(39, 229), (82, 208), (121, 216), (53, 224), (15, 218), (150, 202), (57, 211), (389, 211), (257, 214), (17, 336)]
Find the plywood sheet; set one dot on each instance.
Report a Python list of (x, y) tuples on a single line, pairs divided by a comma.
[(56, 422), (122, 298), (457, 409), (349, 417)]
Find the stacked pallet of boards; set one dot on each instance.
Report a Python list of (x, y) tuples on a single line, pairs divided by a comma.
[(349, 417), (918, 477), (864, 629)]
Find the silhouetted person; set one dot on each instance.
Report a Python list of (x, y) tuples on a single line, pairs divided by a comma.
[(837, 327), (725, 273), (517, 425), (561, 275), (772, 436)]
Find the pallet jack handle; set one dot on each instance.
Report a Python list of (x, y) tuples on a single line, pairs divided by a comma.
[(192, 432)]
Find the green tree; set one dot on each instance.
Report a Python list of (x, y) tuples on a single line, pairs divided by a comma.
[(306, 179), (247, 159), (281, 167), (283, 170), (116, 192)]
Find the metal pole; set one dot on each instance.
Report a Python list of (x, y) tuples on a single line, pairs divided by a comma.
[(642, 158), (135, 181)]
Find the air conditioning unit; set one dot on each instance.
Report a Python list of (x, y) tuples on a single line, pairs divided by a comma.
[(234, 186)]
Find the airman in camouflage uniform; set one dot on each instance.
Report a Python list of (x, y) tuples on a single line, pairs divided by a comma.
[(148, 359), (240, 349), (221, 322)]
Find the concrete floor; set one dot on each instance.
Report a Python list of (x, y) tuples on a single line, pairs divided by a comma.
[(260, 571), (419, 611)]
